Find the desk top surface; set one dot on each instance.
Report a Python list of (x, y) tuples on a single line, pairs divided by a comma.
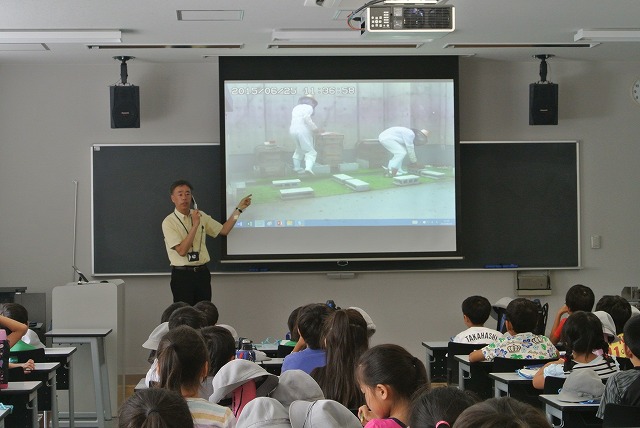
[(552, 400), (430, 344), (271, 361), (510, 377), (62, 351), (46, 367), (78, 332), (21, 387)]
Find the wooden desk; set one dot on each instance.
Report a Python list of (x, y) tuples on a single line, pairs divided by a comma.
[(95, 338), (64, 374), (436, 357), (24, 398), (559, 409)]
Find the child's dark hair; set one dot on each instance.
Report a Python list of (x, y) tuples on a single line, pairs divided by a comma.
[(221, 347), (504, 412), (394, 366), (182, 355), (477, 308), (292, 324), (431, 406), (522, 314), (310, 320), (187, 315), (209, 310), (170, 309), (15, 311), (619, 309), (580, 298), (582, 332), (632, 335), (155, 408)]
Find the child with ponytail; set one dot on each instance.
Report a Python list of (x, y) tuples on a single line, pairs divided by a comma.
[(389, 376), (585, 346)]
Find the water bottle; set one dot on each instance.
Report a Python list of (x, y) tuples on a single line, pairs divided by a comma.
[(246, 351), (4, 360)]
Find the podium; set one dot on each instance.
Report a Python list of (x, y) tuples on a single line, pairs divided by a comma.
[(94, 305)]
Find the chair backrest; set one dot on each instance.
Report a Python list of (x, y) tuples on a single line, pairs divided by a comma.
[(543, 315), (618, 415), (37, 355), (453, 349), (283, 351), (553, 385), (509, 365), (625, 363)]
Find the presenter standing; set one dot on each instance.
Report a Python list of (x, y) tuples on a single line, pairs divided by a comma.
[(185, 231)]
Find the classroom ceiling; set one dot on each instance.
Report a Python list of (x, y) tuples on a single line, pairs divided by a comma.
[(152, 31)]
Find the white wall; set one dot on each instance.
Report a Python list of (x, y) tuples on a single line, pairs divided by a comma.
[(50, 115)]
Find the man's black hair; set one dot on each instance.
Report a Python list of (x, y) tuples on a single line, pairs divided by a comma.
[(179, 183)]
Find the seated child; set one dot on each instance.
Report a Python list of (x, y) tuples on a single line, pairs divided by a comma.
[(475, 312), (501, 412), (578, 298), (624, 387), (221, 348), (620, 310), (519, 342), (310, 321), (17, 314), (439, 407), (582, 336), (209, 310), (154, 337)]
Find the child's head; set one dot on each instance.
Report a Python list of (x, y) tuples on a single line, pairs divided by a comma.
[(439, 404), (344, 332), (389, 373), (182, 359), (155, 408), (187, 315), (503, 412), (169, 310), (15, 311), (619, 309), (221, 347), (522, 314), (582, 333), (579, 298), (310, 321), (209, 310), (477, 309), (632, 335)]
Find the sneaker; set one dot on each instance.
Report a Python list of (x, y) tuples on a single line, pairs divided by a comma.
[(308, 171)]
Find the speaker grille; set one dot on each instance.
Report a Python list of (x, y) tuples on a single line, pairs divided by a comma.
[(125, 106), (439, 18)]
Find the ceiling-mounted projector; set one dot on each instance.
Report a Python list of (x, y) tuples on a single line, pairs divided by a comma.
[(409, 19)]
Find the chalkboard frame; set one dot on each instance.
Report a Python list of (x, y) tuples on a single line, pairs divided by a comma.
[(130, 197)]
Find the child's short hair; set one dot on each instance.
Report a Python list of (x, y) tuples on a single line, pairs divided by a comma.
[(15, 311), (477, 309), (632, 335), (501, 412), (431, 406), (221, 346), (310, 321), (392, 365), (292, 324), (522, 314), (155, 407), (580, 298), (187, 315), (170, 309), (582, 332), (619, 309), (182, 355), (209, 310)]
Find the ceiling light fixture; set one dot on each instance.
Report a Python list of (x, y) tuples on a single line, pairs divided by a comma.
[(608, 35), (60, 36)]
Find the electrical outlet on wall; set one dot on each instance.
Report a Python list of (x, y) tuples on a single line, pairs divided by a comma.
[(596, 242)]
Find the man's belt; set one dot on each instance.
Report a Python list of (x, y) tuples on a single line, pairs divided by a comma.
[(192, 268)]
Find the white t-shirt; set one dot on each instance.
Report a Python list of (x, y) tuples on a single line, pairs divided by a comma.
[(477, 335)]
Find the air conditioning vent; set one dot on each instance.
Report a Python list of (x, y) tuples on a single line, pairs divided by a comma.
[(410, 19)]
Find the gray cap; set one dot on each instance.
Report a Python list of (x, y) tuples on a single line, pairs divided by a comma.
[(321, 414), (582, 384), (296, 385), (238, 372), (264, 412), (608, 326)]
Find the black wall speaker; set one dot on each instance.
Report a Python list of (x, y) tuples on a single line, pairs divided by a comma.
[(543, 104), (125, 106)]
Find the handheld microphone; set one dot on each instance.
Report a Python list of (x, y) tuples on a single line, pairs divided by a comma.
[(195, 204)]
